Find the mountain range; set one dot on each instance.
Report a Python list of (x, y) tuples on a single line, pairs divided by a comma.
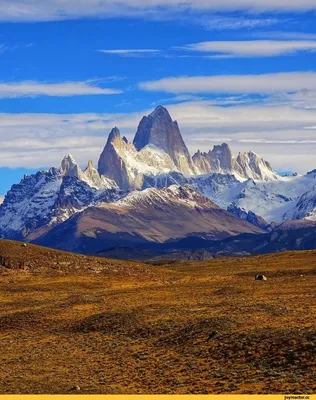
[(152, 191)]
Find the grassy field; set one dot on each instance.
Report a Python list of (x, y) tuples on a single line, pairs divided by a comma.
[(120, 327)]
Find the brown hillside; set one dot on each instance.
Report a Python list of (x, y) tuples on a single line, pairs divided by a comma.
[(118, 327)]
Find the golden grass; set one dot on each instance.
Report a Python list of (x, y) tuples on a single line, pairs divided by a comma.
[(185, 328)]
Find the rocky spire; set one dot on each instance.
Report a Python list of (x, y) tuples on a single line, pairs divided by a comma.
[(245, 166), (111, 163), (159, 130), (69, 167)]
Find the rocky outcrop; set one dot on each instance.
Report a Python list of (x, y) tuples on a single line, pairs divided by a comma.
[(69, 167), (159, 130), (249, 216), (245, 166), (113, 165), (250, 165), (92, 177), (121, 162)]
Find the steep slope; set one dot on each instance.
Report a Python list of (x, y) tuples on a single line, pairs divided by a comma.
[(249, 216), (153, 215), (49, 197), (305, 208), (159, 130), (121, 162), (245, 166)]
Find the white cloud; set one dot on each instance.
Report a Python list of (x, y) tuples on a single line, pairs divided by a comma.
[(63, 89), (252, 48), (251, 84), (283, 35), (277, 132), (130, 52), (39, 10), (218, 23)]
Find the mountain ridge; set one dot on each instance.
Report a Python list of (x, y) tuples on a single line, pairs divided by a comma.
[(158, 159)]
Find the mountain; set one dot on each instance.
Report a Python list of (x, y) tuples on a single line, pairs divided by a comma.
[(50, 197), (152, 215), (111, 200), (249, 216), (122, 163), (245, 166), (159, 130), (275, 200)]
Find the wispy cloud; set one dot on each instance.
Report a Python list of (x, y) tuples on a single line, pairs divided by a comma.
[(283, 35), (251, 48), (276, 132), (219, 23), (39, 10), (253, 84), (131, 52), (62, 89)]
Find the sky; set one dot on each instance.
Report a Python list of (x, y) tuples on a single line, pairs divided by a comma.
[(239, 71)]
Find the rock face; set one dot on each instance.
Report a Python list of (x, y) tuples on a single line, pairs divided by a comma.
[(50, 197), (111, 163), (123, 163), (245, 166), (159, 130), (92, 177), (249, 216)]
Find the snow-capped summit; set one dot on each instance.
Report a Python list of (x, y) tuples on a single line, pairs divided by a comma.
[(246, 166), (160, 130), (69, 167)]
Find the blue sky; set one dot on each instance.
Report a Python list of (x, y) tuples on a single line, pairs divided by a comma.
[(232, 71)]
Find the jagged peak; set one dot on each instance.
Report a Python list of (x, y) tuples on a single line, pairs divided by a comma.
[(90, 166), (69, 166), (69, 157), (223, 146), (114, 134)]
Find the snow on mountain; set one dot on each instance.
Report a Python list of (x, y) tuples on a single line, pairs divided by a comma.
[(305, 206), (91, 176), (181, 195), (121, 162), (150, 215), (157, 158), (249, 216), (245, 166), (274, 199), (49, 197)]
